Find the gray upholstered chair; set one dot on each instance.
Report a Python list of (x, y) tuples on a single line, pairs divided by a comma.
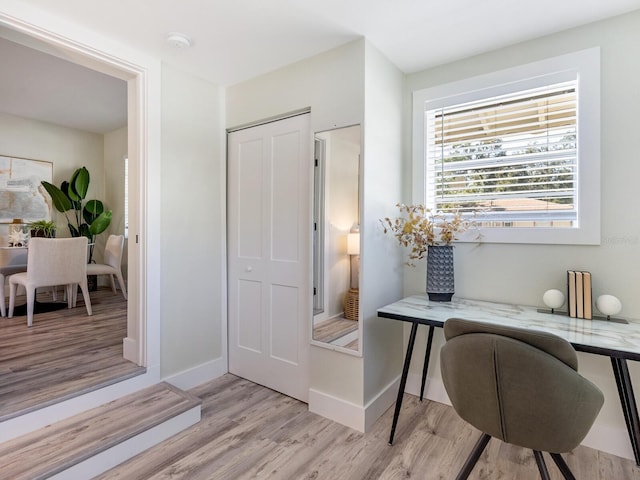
[(520, 386)]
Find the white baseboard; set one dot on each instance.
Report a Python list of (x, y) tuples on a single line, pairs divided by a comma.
[(381, 403), (609, 439), (601, 437), (358, 417), (199, 374), (337, 409), (130, 349), (118, 454), (434, 389)]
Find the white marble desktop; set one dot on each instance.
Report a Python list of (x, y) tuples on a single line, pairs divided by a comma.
[(590, 333)]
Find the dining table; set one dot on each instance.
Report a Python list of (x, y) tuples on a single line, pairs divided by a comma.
[(14, 260)]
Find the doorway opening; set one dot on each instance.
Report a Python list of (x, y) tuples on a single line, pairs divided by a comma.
[(140, 342)]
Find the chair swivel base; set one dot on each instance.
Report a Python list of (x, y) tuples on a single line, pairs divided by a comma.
[(482, 443)]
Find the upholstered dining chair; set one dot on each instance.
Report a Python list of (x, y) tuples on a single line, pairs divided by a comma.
[(3, 276), (520, 386), (12, 260), (51, 262), (112, 263)]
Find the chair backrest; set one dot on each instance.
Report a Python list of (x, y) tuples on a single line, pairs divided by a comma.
[(113, 250), (518, 385), (57, 261)]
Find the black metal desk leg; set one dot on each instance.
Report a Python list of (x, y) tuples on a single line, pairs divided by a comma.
[(628, 402), (403, 379), (425, 367)]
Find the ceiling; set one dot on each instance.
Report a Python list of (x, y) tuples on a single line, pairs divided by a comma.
[(236, 40)]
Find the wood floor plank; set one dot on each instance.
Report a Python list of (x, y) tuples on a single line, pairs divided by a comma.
[(250, 432), (54, 448), (63, 354), (334, 328)]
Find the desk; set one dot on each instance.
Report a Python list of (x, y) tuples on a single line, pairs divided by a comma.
[(620, 342)]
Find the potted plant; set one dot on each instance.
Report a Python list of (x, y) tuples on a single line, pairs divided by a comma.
[(429, 234), (88, 218), (42, 228)]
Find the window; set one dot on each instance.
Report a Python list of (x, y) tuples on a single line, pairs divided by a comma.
[(518, 148)]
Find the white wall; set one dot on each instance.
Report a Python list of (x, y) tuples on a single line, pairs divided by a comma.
[(521, 273), (115, 151), (66, 148), (192, 264), (331, 84), (342, 86), (381, 278)]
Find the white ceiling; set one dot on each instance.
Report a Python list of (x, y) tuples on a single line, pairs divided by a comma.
[(36, 85), (234, 40)]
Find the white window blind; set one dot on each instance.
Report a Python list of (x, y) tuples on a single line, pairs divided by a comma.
[(512, 157)]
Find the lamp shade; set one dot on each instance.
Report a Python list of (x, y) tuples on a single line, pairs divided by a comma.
[(353, 244)]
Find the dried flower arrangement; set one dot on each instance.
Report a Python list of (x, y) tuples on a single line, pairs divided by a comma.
[(418, 228)]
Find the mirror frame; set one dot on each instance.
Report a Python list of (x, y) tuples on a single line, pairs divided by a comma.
[(321, 228)]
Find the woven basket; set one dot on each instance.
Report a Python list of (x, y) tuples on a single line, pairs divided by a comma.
[(352, 304)]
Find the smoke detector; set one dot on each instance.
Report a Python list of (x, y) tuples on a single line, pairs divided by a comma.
[(178, 40)]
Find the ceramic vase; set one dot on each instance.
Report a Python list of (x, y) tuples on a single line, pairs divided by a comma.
[(440, 281)]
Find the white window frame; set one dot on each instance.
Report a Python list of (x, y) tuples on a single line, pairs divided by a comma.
[(583, 65)]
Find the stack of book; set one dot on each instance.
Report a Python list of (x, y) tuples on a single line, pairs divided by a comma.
[(579, 294)]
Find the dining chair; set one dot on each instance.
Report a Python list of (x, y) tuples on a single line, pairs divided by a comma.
[(51, 262), (520, 386), (12, 260), (7, 271), (112, 263)]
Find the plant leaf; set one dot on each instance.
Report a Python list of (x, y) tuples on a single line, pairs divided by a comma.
[(92, 209), (84, 231), (60, 200), (79, 184), (101, 223), (73, 230)]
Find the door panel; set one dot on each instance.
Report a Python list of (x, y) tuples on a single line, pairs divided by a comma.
[(269, 224), (250, 329), (285, 313)]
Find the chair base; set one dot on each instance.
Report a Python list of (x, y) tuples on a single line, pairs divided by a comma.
[(481, 444)]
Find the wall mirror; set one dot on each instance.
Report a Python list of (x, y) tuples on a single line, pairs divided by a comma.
[(336, 240)]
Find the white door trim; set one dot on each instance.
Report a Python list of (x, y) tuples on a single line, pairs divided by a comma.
[(83, 47)]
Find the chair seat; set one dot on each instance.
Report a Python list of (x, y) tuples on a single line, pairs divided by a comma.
[(111, 266), (100, 269)]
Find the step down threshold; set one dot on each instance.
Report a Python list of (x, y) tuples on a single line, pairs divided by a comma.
[(94, 441)]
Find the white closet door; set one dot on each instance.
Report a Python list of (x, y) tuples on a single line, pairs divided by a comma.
[(269, 225)]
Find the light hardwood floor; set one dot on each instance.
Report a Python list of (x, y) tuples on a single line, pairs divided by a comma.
[(332, 329), (248, 431), (64, 353)]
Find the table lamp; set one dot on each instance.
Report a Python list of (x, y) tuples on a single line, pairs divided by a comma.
[(352, 298)]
